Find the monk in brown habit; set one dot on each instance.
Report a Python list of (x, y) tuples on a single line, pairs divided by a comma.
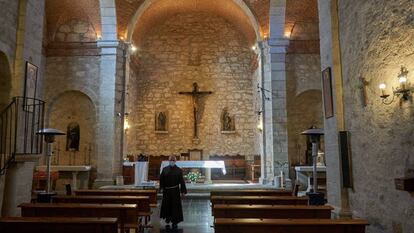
[(172, 185)]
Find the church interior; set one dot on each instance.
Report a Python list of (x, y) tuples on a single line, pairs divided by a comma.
[(284, 115)]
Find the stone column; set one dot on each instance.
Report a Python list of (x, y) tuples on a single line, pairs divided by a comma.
[(277, 49), (18, 184), (107, 122), (330, 57), (267, 116)]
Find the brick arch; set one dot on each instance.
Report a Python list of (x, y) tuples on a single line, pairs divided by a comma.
[(303, 111), (235, 11), (5, 80), (62, 113)]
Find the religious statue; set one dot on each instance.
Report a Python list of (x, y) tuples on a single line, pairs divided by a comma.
[(161, 122), (227, 121), (73, 137)]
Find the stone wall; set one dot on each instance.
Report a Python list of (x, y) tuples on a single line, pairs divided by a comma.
[(304, 101), (188, 48), (8, 17), (75, 31), (376, 38)]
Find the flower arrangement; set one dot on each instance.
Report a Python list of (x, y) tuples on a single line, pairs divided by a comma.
[(193, 176)]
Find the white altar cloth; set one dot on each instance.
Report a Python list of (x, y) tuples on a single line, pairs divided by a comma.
[(197, 164), (75, 169), (307, 171), (140, 173)]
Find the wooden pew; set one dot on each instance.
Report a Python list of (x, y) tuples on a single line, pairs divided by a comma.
[(271, 211), (152, 193), (127, 214), (249, 225), (259, 200), (142, 202), (251, 192), (60, 225)]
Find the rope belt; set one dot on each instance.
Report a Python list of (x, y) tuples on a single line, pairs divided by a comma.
[(172, 187)]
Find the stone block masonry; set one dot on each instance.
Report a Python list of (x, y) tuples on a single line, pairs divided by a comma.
[(187, 48)]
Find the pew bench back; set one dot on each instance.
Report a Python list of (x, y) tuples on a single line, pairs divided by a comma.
[(246, 225), (272, 211), (60, 225)]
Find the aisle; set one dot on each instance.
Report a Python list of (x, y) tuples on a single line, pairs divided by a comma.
[(197, 218)]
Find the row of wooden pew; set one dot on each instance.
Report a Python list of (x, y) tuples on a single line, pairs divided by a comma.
[(102, 211), (276, 211)]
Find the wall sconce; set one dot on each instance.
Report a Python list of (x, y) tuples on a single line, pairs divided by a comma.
[(404, 91)]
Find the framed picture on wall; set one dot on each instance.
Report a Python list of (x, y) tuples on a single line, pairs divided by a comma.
[(327, 92), (30, 86)]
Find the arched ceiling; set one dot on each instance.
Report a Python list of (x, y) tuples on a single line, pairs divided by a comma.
[(302, 26), (59, 12), (301, 16), (154, 12)]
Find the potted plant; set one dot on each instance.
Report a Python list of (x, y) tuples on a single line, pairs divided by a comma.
[(193, 177)]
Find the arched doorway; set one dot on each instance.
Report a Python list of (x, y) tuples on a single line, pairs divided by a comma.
[(78, 121)]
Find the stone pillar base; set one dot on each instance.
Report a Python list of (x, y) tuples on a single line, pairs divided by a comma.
[(339, 213), (265, 181), (102, 182), (18, 185)]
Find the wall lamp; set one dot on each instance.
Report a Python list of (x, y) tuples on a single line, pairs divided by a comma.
[(404, 91)]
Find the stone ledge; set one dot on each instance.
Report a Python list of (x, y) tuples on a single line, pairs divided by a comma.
[(27, 158), (228, 132), (161, 132)]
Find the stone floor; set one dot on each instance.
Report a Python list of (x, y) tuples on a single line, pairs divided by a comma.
[(197, 218)]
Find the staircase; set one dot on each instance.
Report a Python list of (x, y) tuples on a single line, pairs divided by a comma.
[(19, 122)]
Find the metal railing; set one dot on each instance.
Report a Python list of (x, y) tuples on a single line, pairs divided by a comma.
[(19, 122)]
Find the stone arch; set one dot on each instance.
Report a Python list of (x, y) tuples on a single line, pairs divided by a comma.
[(5, 80), (240, 12), (303, 111), (62, 113)]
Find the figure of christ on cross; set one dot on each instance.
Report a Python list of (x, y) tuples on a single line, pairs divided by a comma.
[(195, 94)]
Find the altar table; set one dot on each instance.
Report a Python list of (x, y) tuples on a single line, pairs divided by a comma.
[(199, 164), (141, 172), (308, 172), (72, 169)]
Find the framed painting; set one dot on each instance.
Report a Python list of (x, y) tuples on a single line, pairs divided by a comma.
[(327, 92), (30, 86)]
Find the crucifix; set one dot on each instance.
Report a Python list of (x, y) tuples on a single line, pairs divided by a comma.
[(195, 94)]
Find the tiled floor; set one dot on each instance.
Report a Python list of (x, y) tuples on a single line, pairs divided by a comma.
[(197, 218)]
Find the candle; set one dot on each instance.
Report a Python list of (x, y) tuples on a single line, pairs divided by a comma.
[(281, 179)]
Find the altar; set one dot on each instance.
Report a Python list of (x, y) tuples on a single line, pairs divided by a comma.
[(82, 171), (306, 172), (199, 164)]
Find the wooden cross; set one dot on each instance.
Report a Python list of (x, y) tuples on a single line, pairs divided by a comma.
[(195, 94)]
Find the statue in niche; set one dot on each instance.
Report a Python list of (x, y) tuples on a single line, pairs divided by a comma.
[(72, 137), (227, 121), (161, 121)]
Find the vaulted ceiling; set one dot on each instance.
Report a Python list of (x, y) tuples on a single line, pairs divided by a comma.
[(59, 12), (301, 15)]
